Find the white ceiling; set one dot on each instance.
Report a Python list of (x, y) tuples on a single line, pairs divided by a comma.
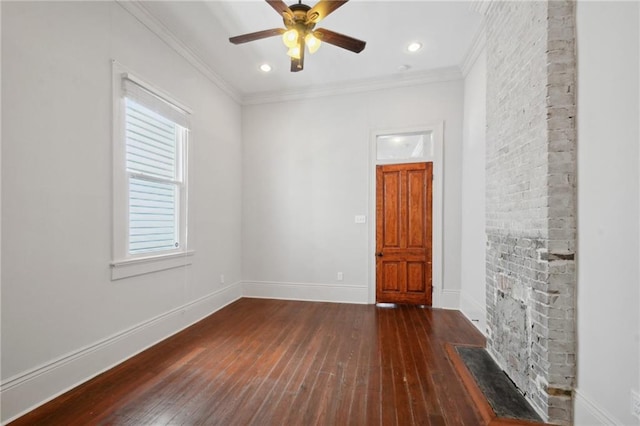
[(446, 29)]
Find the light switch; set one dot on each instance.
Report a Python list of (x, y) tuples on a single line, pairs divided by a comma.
[(361, 219)]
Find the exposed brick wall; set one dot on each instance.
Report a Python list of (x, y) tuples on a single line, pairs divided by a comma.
[(530, 178)]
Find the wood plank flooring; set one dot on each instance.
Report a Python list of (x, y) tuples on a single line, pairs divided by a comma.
[(274, 362)]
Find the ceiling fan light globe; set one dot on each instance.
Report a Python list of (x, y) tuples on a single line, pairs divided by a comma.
[(312, 42), (290, 38), (294, 52)]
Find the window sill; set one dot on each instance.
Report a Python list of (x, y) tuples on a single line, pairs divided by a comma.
[(146, 265)]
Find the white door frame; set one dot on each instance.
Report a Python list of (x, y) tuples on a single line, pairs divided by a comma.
[(436, 131)]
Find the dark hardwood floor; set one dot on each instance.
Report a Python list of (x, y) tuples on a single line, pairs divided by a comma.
[(273, 362)]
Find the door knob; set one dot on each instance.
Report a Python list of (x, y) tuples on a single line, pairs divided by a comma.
[(379, 254)]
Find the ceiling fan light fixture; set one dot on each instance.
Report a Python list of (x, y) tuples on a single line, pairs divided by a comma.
[(312, 42), (290, 38), (294, 52)]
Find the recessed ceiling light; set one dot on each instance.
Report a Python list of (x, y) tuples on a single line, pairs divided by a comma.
[(265, 67), (414, 47)]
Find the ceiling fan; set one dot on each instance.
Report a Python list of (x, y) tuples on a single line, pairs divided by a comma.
[(300, 21)]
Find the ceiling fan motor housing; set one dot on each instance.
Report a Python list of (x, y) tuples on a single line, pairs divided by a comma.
[(299, 21)]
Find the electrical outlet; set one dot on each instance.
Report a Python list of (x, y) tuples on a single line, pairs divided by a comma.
[(635, 403)]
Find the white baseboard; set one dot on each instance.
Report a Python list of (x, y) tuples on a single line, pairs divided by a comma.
[(474, 311), (306, 291), (26, 391), (450, 299), (587, 412)]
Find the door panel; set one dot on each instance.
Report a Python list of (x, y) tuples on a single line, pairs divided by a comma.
[(391, 189), (417, 207), (392, 276), (403, 233), (415, 277)]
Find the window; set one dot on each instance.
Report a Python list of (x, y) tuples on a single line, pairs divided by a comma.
[(150, 179), (156, 181), (404, 146)]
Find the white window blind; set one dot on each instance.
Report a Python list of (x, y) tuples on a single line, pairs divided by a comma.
[(155, 134)]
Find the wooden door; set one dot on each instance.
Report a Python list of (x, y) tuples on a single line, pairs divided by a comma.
[(403, 233)]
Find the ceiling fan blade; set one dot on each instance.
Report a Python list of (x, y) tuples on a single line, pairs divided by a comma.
[(280, 6), (322, 9), (340, 40), (244, 38)]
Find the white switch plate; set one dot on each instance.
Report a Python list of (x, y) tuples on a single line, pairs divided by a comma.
[(221, 278), (340, 276), (361, 219)]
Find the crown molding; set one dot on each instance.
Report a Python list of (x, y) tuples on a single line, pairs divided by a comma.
[(480, 7), (477, 46), (137, 9), (357, 86)]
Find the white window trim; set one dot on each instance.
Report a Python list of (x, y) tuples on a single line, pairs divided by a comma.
[(123, 264), (145, 265)]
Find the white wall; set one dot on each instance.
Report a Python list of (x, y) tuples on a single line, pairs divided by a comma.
[(608, 211), (473, 258), (63, 319), (306, 175)]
